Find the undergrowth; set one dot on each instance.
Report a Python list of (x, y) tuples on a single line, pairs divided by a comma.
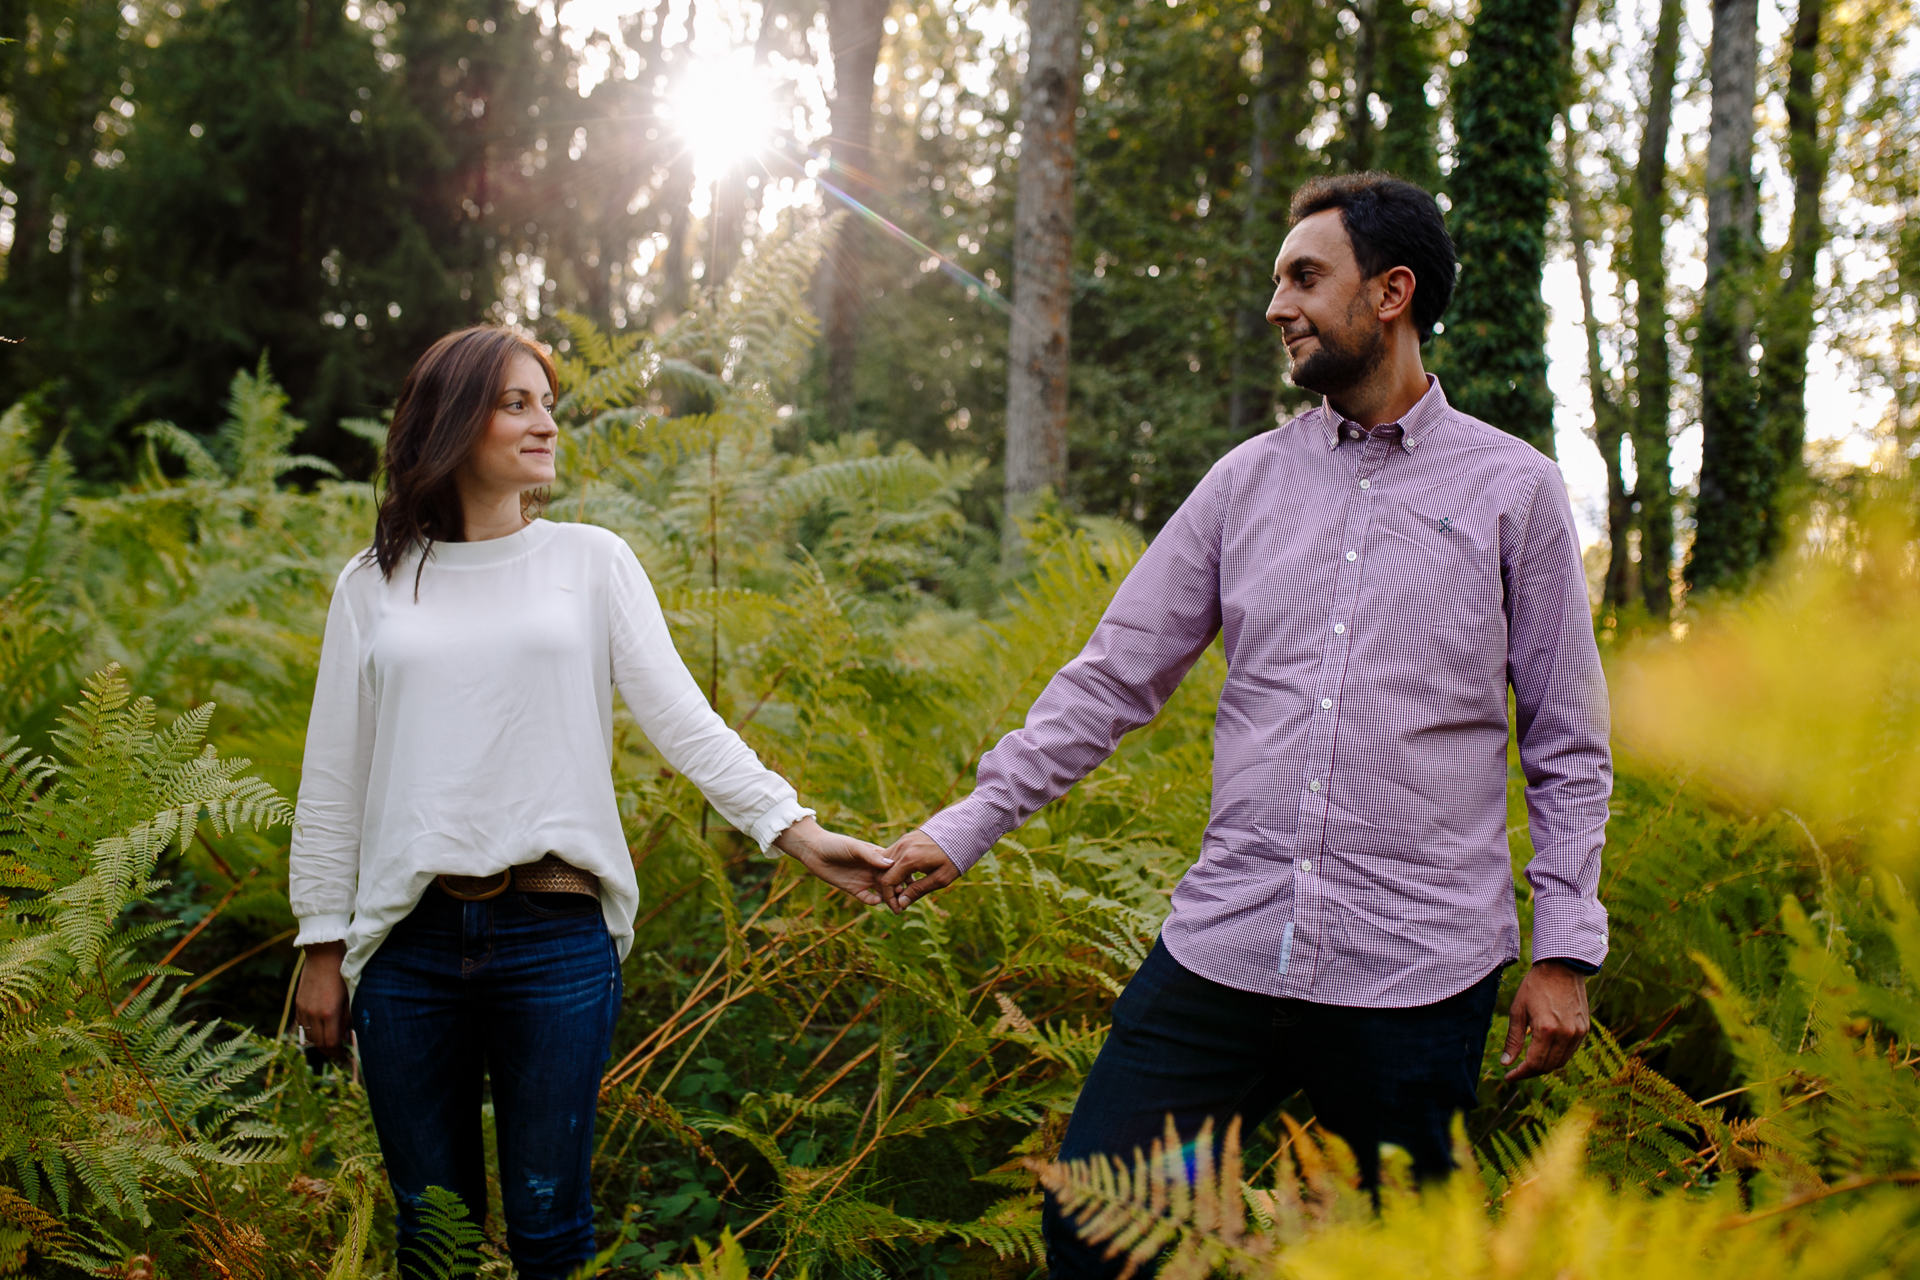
[(803, 1087)]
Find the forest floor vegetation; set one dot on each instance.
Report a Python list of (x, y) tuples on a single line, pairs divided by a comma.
[(804, 1087)]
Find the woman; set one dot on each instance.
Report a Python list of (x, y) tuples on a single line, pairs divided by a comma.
[(457, 855)]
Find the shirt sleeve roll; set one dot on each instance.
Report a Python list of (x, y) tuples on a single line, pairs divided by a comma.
[(677, 719)]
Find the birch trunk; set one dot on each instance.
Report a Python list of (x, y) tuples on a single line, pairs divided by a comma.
[(1037, 345)]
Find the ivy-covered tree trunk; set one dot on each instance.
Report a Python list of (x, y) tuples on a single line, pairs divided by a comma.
[(1783, 364), (1037, 344), (1738, 465), (1493, 354), (855, 29), (1652, 371)]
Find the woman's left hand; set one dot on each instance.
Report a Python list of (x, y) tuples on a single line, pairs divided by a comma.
[(849, 865)]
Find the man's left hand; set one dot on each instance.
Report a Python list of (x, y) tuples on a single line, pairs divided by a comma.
[(1549, 1017)]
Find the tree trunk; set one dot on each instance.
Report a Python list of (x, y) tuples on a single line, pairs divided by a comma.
[(1366, 50), (1652, 376), (1245, 403), (1407, 145), (729, 224), (855, 29), (1280, 110), (1493, 354), (1783, 366), (1609, 424), (1737, 466), (676, 196), (1042, 254), (732, 207)]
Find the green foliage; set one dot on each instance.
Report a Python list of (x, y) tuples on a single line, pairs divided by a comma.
[(844, 1093), (1175, 237), (1552, 1219), (104, 1089), (1493, 354), (448, 1246)]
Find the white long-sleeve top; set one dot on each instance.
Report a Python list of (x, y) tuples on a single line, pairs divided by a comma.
[(472, 729)]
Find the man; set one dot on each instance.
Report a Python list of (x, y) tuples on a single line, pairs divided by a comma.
[(1381, 569)]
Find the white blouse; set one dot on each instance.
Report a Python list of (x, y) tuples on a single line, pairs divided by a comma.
[(472, 729)]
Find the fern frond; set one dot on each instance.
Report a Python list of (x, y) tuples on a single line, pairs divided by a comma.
[(447, 1246)]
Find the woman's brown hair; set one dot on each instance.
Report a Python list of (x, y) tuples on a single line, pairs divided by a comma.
[(445, 405)]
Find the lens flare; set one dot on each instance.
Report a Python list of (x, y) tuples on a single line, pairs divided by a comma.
[(723, 112)]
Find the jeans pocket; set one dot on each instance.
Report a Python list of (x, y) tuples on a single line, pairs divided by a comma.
[(560, 906), (1138, 997)]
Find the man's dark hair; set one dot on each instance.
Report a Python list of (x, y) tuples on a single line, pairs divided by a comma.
[(1390, 223)]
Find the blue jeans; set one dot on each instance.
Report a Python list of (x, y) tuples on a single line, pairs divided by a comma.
[(1184, 1045), (522, 989)]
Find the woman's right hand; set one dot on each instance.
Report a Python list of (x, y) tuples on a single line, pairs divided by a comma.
[(320, 1004)]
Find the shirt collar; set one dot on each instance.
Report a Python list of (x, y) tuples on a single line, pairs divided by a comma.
[(1415, 425)]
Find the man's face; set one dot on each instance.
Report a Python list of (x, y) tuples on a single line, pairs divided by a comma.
[(1323, 307)]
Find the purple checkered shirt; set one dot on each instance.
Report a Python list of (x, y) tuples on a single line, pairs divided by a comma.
[(1377, 592)]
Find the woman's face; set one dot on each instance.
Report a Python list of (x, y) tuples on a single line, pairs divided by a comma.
[(516, 452)]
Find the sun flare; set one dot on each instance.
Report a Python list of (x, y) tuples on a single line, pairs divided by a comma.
[(723, 111)]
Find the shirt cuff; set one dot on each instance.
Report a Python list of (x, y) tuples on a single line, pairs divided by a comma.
[(964, 832), (1578, 966), (1569, 928), (768, 826), (323, 928)]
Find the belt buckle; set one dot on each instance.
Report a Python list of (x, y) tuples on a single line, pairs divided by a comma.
[(474, 888)]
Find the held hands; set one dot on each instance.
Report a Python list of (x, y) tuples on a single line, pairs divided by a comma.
[(1551, 1008), (849, 865), (919, 868)]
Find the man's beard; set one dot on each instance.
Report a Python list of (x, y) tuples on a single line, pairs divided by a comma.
[(1342, 361)]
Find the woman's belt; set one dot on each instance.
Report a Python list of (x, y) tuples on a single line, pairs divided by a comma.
[(549, 875)]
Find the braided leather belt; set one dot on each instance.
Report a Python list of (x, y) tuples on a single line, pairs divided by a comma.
[(549, 875)]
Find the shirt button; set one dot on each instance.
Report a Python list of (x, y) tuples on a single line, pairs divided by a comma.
[(1314, 785), (1339, 628), (1306, 864), (1353, 435), (1326, 704), (1366, 484), (1353, 555)]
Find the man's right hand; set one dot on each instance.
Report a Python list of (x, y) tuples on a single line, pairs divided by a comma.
[(320, 1004), (919, 867)]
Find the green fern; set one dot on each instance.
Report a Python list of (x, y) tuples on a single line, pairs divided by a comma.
[(105, 1092), (447, 1246)]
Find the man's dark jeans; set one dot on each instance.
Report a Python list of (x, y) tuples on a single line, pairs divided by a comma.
[(524, 988), (1185, 1045)]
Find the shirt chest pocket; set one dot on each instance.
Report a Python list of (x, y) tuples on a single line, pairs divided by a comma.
[(1435, 580)]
